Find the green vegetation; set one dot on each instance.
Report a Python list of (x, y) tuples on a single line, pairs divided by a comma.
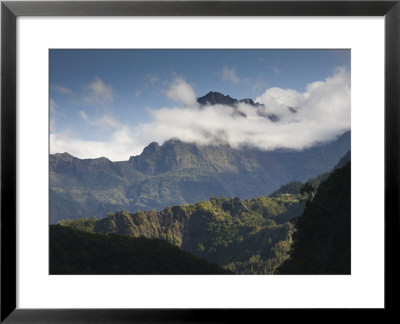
[(82, 224), (246, 236), (77, 252), (303, 228), (322, 238), (295, 187), (289, 188)]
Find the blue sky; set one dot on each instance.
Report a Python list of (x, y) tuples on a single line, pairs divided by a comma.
[(95, 93)]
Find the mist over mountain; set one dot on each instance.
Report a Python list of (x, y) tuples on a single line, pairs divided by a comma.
[(216, 98), (176, 173), (278, 119), (199, 162)]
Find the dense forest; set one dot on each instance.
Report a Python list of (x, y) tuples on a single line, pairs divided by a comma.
[(322, 238), (78, 252), (250, 236)]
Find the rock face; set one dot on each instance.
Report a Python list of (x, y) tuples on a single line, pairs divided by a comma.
[(176, 173), (216, 98)]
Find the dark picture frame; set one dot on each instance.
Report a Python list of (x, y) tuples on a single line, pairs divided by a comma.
[(10, 10)]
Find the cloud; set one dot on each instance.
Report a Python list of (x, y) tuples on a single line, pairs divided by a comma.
[(229, 75), (149, 81), (180, 91), (106, 120), (118, 148), (99, 92), (61, 89), (276, 100), (325, 102), (52, 124), (274, 69), (53, 106), (259, 85), (320, 113), (53, 111), (151, 78)]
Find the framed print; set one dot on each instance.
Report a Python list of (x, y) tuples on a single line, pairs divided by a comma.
[(187, 157)]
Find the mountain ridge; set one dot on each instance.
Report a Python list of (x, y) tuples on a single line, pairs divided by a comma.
[(217, 98), (214, 98), (176, 173), (235, 234)]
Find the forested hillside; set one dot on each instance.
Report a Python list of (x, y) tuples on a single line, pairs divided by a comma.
[(250, 236), (322, 238), (294, 187), (246, 236), (77, 252)]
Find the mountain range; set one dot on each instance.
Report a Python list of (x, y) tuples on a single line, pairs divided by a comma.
[(250, 236), (176, 173)]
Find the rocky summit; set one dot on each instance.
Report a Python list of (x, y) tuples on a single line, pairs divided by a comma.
[(217, 98)]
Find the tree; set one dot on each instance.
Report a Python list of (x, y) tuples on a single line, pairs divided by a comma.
[(307, 189)]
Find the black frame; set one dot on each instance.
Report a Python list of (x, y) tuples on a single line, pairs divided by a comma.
[(10, 10)]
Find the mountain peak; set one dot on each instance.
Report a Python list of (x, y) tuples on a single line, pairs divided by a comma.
[(172, 141), (152, 147), (217, 98), (63, 156), (248, 101)]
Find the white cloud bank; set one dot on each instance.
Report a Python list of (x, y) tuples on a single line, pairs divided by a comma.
[(319, 114), (181, 91), (118, 148)]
